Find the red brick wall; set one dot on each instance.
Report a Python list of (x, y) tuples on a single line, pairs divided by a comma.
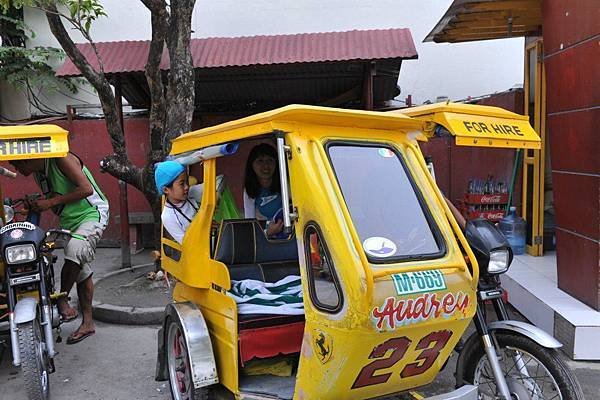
[(571, 58)]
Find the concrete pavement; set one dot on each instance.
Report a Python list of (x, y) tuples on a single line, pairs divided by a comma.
[(118, 362)]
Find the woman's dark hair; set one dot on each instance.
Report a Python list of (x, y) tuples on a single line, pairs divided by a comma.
[(251, 183)]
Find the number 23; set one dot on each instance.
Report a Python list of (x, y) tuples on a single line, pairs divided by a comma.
[(399, 347)]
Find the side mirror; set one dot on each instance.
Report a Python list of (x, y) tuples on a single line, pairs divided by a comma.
[(490, 246), (9, 214)]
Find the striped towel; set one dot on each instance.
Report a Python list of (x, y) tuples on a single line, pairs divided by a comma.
[(283, 297)]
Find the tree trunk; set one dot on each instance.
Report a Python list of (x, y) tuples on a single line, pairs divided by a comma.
[(181, 91)]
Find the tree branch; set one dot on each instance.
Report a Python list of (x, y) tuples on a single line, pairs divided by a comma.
[(97, 80), (126, 172)]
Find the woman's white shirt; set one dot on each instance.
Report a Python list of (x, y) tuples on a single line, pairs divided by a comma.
[(173, 221), (249, 207)]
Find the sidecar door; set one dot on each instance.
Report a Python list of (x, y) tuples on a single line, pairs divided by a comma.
[(374, 325)]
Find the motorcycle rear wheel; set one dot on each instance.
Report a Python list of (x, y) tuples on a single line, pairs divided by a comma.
[(532, 372), (34, 366)]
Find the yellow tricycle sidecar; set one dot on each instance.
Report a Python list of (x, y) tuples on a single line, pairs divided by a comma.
[(379, 260)]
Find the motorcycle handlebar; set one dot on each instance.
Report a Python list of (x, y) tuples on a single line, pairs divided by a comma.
[(58, 232), (7, 172)]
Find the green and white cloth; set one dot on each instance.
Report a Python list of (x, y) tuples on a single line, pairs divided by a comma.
[(283, 297)]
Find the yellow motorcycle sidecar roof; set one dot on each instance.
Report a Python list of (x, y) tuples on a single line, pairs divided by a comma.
[(281, 118), (32, 141), (475, 125)]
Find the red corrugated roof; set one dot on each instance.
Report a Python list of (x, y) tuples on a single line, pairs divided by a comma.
[(131, 56)]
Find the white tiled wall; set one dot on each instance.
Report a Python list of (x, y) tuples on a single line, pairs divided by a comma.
[(532, 289)]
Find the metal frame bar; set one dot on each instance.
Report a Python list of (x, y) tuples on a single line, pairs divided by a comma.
[(537, 160), (282, 150)]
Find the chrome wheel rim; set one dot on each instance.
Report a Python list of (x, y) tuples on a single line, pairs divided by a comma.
[(526, 376), (178, 364)]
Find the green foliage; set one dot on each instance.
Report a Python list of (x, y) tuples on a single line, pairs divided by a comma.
[(81, 13), (84, 12), (29, 69), (14, 27), (22, 67)]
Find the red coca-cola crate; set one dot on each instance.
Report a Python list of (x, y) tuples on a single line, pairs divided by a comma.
[(491, 215), (473, 198)]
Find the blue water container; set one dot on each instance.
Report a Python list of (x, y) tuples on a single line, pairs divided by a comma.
[(513, 227)]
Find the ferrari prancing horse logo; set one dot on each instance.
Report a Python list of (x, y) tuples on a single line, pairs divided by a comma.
[(323, 346)]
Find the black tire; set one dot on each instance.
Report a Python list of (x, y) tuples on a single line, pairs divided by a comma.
[(562, 380), (34, 366), (182, 387)]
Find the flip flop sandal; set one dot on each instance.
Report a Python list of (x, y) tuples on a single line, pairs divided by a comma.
[(68, 319), (76, 338)]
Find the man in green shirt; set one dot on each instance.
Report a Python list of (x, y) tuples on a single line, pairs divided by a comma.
[(72, 193)]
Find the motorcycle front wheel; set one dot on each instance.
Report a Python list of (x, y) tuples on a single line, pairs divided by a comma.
[(532, 372), (34, 366)]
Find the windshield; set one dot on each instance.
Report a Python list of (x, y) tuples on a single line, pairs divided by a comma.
[(384, 204)]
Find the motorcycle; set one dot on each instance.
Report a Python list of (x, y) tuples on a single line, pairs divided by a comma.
[(508, 359), (29, 289)]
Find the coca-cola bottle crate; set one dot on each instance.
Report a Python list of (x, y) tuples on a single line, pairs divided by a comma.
[(477, 198)]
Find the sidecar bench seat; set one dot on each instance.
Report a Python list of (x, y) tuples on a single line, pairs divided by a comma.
[(248, 254), (243, 247)]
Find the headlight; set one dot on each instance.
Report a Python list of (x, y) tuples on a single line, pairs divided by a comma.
[(498, 261), (20, 254)]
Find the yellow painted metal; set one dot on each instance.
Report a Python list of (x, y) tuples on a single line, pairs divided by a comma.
[(32, 141), (474, 125), (352, 333), (196, 256), (534, 160), (269, 121)]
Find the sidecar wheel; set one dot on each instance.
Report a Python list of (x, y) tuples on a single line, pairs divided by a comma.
[(34, 367), (178, 365), (532, 372)]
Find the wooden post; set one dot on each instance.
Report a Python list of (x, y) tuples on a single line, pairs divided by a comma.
[(368, 85), (123, 205)]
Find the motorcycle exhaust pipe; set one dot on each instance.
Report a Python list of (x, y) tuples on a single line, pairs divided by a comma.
[(14, 340)]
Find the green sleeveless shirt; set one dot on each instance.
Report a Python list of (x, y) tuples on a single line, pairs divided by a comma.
[(92, 208)]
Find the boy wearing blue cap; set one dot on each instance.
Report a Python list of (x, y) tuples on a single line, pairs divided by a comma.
[(182, 200)]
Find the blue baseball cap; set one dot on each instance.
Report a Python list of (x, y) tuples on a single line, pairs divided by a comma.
[(165, 173)]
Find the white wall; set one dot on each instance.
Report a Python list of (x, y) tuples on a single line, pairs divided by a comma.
[(456, 70)]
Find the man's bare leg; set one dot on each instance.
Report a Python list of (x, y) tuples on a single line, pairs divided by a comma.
[(85, 291), (68, 276)]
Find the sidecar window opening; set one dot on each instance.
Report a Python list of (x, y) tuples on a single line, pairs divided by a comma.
[(386, 206)]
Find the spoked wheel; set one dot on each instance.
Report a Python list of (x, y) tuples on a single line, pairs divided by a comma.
[(532, 372), (34, 362), (178, 362)]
